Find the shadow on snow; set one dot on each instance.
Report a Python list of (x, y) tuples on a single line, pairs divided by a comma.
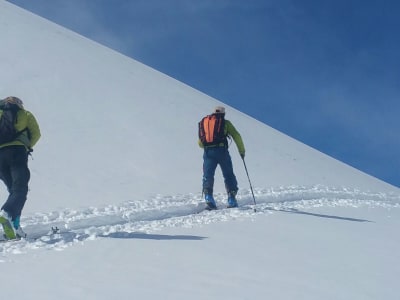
[(138, 235), (296, 211)]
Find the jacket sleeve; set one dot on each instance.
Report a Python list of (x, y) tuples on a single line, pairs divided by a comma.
[(200, 144), (231, 130), (34, 130)]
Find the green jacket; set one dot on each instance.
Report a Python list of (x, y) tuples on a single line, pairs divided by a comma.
[(230, 130), (28, 137)]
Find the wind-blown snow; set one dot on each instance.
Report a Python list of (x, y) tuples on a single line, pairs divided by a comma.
[(118, 172)]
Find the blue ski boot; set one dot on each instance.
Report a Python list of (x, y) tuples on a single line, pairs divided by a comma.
[(17, 227), (210, 202), (232, 202)]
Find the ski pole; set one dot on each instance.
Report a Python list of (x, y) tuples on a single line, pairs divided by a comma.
[(251, 187)]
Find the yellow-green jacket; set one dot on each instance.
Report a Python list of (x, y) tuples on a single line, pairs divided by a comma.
[(28, 137), (230, 130)]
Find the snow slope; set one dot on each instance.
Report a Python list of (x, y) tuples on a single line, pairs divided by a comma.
[(301, 243), (95, 105), (118, 172)]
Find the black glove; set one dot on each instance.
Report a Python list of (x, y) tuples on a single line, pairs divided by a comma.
[(242, 155)]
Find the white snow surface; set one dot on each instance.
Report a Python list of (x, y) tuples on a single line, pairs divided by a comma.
[(118, 172)]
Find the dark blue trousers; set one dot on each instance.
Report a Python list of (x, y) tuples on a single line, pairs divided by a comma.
[(15, 174), (212, 157)]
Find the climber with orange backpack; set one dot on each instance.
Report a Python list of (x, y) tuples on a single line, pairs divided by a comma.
[(214, 131)]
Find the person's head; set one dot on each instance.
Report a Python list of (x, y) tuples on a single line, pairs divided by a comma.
[(14, 100), (219, 110)]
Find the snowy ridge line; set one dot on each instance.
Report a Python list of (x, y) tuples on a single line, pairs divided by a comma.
[(129, 219)]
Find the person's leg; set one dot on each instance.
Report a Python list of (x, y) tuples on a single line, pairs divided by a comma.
[(20, 175), (5, 174), (230, 180), (209, 165)]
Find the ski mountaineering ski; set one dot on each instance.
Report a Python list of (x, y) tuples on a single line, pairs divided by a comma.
[(53, 236), (9, 233), (240, 207), (54, 231)]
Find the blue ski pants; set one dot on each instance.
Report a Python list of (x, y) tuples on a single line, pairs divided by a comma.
[(212, 157)]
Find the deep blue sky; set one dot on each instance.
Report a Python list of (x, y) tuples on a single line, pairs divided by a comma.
[(324, 72)]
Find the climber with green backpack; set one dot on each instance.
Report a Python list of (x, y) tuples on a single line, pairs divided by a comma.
[(19, 132)]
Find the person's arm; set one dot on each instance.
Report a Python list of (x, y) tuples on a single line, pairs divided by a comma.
[(231, 130)]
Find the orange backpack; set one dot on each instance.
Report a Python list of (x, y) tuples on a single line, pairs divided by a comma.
[(211, 130)]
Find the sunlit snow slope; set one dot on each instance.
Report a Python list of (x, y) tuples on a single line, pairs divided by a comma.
[(137, 219), (108, 118), (118, 172)]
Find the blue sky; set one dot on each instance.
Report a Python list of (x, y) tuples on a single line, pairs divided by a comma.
[(324, 72)]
